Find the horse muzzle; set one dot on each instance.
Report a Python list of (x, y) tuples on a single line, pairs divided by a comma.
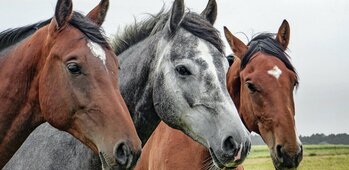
[(124, 157), (231, 155), (284, 160)]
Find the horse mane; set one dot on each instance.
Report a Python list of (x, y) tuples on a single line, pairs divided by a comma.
[(266, 43), (12, 36), (192, 22), (93, 32)]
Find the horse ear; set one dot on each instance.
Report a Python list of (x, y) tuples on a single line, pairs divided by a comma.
[(234, 82), (177, 14), (210, 12), (283, 36), (63, 13), (238, 47), (98, 14)]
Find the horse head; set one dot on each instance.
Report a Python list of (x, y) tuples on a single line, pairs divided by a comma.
[(261, 82), (78, 86), (190, 90)]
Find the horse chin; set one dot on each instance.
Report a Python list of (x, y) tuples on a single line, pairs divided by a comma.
[(218, 163), (278, 163), (106, 165)]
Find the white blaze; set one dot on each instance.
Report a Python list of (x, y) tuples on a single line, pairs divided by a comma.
[(231, 113), (97, 51), (275, 71), (205, 55), (162, 49)]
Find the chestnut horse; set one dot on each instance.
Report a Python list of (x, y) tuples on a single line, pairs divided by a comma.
[(63, 71), (261, 83)]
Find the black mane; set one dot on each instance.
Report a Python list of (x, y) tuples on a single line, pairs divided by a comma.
[(192, 22), (89, 28), (93, 32), (266, 43), (12, 36)]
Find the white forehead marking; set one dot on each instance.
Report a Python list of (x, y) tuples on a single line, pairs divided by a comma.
[(97, 51), (275, 71), (206, 55), (162, 48)]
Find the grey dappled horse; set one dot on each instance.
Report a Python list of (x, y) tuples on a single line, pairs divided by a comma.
[(172, 68)]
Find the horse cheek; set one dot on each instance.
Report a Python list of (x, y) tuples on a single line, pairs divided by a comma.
[(54, 97)]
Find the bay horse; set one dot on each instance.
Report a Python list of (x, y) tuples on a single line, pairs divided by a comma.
[(172, 68), (63, 71), (260, 81)]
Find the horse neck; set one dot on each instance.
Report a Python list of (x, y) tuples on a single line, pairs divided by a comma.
[(19, 105), (136, 85)]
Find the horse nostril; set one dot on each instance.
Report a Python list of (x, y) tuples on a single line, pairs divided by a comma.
[(229, 146), (247, 147), (278, 151), (299, 156), (122, 153)]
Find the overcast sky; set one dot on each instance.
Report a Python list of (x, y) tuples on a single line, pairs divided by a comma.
[(318, 45)]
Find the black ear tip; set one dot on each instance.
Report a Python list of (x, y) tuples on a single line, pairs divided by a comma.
[(214, 2), (64, 4), (178, 5), (105, 2), (210, 12), (227, 32), (285, 23), (63, 11), (179, 2), (177, 14)]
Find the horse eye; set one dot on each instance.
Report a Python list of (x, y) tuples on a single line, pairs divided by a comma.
[(251, 87), (182, 70), (74, 68), (296, 84)]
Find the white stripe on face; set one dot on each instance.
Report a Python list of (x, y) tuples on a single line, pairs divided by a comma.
[(205, 55), (275, 71), (97, 51), (163, 48)]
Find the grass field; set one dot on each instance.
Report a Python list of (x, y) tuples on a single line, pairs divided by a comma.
[(315, 157)]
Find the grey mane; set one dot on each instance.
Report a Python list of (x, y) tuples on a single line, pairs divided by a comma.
[(192, 22), (132, 34)]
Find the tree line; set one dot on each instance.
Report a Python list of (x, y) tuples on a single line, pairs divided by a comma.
[(318, 138)]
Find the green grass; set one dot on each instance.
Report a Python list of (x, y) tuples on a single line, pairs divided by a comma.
[(331, 157)]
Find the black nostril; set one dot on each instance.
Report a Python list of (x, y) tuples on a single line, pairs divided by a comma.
[(288, 159), (247, 147), (229, 146), (278, 151), (299, 156), (122, 153)]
